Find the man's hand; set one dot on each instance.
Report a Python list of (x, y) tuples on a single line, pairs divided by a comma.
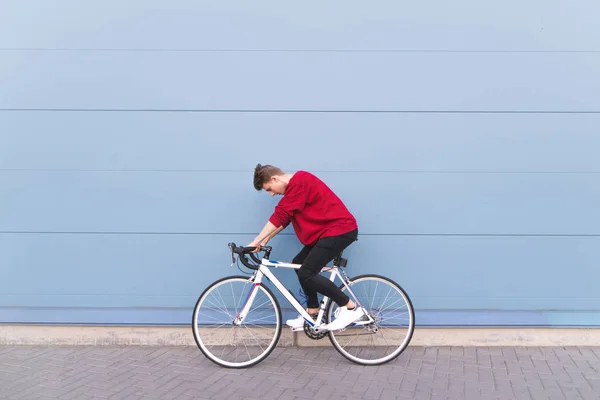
[(264, 236), (256, 245)]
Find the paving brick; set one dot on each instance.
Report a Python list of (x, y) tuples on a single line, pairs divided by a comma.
[(66, 372), (521, 393), (594, 382), (588, 394)]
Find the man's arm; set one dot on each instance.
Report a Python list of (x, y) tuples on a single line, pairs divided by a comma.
[(293, 201), (271, 235), (266, 234)]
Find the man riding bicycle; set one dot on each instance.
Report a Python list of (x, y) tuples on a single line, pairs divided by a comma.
[(323, 225)]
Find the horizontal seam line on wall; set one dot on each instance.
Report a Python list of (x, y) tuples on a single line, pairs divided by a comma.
[(438, 310), (419, 297), (283, 111), (291, 234), (316, 171), (256, 50), (127, 294)]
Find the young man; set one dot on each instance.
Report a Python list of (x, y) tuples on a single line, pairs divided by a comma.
[(323, 225)]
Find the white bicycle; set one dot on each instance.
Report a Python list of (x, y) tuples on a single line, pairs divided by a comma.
[(237, 321)]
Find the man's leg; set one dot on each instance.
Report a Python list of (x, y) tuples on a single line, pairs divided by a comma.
[(323, 252), (312, 302)]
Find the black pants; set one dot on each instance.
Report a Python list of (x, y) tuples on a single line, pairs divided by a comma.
[(313, 259)]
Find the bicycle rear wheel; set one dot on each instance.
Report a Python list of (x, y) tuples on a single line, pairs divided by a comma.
[(225, 343), (391, 309)]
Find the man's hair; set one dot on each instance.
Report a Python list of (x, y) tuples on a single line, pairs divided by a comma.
[(262, 174)]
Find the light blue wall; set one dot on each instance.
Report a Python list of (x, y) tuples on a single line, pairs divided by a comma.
[(463, 135)]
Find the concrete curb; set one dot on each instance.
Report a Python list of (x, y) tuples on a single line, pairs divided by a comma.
[(47, 335)]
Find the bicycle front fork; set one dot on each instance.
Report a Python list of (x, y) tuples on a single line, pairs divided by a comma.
[(239, 318)]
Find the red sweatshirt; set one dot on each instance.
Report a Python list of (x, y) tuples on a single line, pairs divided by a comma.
[(314, 210)]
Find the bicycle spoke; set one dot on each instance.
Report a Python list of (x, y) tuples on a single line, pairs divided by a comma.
[(240, 345), (354, 338), (373, 298), (397, 301), (217, 326), (222, 309), (385, 338), (237, 306), (387, 296), (253, 336), (260, 305), (222, 306), (260, 319)]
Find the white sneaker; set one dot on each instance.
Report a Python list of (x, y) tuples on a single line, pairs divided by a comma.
[(344, 317), (296, 323)]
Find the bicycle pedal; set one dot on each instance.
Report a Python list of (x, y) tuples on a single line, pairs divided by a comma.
[(301, 329)]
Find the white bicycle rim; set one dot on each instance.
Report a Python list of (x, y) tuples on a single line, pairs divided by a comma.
[(389, 305), (236, 346)]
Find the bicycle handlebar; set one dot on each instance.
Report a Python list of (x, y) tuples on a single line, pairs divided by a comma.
[(243, 252)]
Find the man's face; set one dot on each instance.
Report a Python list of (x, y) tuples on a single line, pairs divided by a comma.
[(274, 186)]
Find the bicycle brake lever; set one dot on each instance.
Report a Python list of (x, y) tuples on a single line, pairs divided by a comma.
[(232, 255)]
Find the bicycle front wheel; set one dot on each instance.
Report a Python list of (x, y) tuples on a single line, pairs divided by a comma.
[(236, 346), (394, 321)]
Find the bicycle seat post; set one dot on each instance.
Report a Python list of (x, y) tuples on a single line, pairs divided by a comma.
[(340, 261)]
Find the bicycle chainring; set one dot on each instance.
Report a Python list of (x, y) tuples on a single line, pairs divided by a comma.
[(310, 332)]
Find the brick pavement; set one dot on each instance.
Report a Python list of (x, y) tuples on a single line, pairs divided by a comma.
[(137, 372)]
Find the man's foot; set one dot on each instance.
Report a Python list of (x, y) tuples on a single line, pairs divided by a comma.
[(344, 317), (298, 322)]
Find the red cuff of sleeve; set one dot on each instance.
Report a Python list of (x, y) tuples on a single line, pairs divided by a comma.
[(275, 221)]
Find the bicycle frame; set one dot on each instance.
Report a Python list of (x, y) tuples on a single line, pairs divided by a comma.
[(263, 271)]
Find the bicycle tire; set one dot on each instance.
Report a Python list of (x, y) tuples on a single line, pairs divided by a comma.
[(198, 337), (335, 337)]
